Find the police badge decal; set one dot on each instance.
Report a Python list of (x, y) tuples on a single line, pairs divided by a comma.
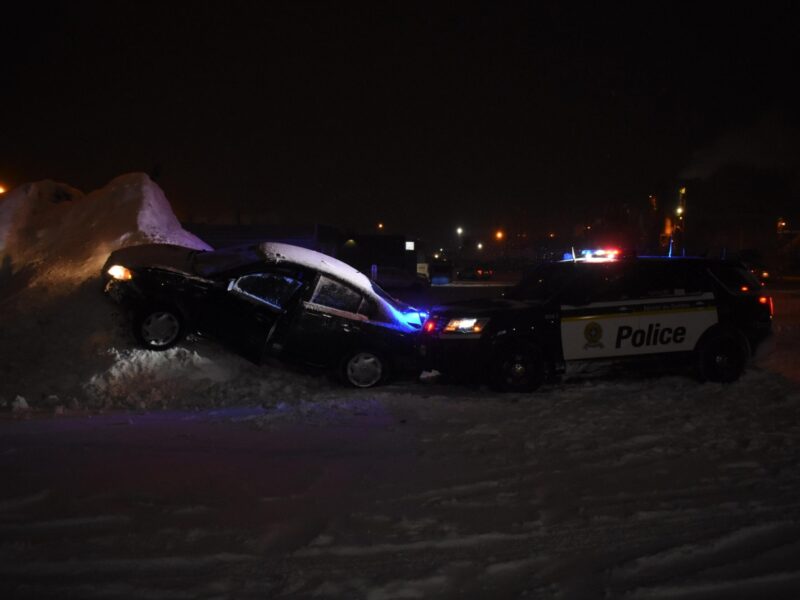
[(593, 334)]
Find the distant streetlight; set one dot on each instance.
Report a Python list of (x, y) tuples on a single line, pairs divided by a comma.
[(499, 235), (679, 211), (2, 189), (380, 225), (459, 230), (480, 246), (436, 256), (551, 235)]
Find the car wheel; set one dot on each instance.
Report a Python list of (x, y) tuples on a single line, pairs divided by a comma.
[(520, 370), (722, 357), (364, 369), (159, 328)]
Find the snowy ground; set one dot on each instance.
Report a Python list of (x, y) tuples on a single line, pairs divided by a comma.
[(596, 488)]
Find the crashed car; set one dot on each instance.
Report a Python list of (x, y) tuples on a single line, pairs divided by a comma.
[(710, 314), (270, 299)]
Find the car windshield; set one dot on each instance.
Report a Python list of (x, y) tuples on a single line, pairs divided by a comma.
[(394, 302), (211, 263)]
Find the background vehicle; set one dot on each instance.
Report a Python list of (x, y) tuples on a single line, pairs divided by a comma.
[(475, 272), (710, 314), (270, 299)]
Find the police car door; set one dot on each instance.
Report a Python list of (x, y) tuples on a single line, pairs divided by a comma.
[(675, 305), (596, 305)]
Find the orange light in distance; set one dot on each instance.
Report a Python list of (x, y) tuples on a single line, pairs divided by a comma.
[(499, 235)]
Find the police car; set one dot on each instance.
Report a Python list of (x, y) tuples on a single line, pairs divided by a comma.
[(710, 314)]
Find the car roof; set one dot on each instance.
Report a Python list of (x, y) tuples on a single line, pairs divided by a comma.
[(226, 259), (276, 252)]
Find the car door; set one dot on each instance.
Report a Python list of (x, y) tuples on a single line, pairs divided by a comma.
[(598, 310), (676, 306), (244, 314), (326, 325)]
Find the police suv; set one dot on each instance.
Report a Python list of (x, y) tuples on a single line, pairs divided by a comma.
[(710, 314)]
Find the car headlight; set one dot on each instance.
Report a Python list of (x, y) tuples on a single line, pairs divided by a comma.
[(468, 325), (120, 273)]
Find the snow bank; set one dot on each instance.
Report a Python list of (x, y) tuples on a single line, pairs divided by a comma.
[(57, 328), (57, 235)]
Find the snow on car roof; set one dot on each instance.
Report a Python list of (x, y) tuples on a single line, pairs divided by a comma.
[(278, 252)]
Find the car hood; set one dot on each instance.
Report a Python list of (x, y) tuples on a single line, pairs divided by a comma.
[(485, 307), (166, 256)]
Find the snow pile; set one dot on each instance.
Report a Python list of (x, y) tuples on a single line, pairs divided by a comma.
[(57, 326), (198, 373), (57, 235)]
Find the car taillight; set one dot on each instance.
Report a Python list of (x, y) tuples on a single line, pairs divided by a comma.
[(430, 326), (767, 301)]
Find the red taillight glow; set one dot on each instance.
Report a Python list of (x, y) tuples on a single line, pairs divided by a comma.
[(429, 326), (744, 288), (767, 301)]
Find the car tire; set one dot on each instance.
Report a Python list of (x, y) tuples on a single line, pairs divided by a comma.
[(159, 327), (364, 369), (721, 357), (517, 370)]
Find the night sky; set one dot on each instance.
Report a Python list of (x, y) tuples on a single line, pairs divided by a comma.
[(424, 118)]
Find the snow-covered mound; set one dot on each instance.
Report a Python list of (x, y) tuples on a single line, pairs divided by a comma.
[(58, 235), (61, 341)]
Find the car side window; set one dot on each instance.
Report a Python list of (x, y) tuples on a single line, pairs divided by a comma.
[(660, 280), (274, 290), (665, 279), (333, 294), (611, 282), (369, 309)]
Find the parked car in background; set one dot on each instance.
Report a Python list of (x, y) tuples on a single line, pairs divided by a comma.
[(392, 278), (265, 300), (475, 272)]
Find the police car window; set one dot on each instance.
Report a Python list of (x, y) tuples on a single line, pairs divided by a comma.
[(333, 294), (735, 277), (605, 282), (275, 290), (659, 279), (697, 279)]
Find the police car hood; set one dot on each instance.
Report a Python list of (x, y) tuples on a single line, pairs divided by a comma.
[(485, 307)]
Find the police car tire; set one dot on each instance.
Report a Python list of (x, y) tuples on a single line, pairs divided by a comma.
[(517, 370), (722, 357), (145, 319)]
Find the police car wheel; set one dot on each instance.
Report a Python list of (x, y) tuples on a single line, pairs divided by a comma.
[(722, 358), (517, 371), (158, 328)]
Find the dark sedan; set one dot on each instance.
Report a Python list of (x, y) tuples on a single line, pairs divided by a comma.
[(270, 299)]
